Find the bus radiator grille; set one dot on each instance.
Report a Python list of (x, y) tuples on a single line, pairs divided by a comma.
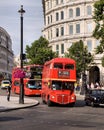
[(62, 99)]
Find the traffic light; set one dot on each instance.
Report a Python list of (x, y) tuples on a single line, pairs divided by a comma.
[(23, 56)]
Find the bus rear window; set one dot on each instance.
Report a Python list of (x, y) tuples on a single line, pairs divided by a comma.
[(58, 65), (69, 66)]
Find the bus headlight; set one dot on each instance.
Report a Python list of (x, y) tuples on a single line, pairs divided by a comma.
[(72, 98), (52, 96)]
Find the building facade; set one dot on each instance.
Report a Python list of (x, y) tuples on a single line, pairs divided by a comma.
[(6, 54), (17, 60), (68, 21)]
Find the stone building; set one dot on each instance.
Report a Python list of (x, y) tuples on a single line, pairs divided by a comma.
[(17, 60), (68, 21), (6, 54)]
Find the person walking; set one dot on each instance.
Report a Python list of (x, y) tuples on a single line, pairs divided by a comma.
[(8, 92)]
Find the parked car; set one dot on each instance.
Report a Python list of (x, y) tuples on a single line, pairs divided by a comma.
[(5, 83), (94, 97)]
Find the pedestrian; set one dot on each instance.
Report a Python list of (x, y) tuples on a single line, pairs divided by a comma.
[(97, 85), (92, 86), (8, 92)]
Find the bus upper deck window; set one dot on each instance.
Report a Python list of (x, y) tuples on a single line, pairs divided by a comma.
[(69, 66), (58, 65)]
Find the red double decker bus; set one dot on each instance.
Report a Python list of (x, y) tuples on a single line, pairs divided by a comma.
[(58, 78), (32, 80)]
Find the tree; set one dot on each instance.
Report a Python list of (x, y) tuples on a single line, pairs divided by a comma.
[(98, 32), (39, 52), (80, 54)]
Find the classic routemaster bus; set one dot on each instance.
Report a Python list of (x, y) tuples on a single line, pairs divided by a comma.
[(58, 78), (32, 80)]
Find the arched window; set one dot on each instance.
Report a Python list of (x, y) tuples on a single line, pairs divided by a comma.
[(71, 29), (57, 2), (51, 19), (57, 16), (97, 43), (62, 1), (62, 48), (70, 13), (62, 15), (89, 44), (62, 31), (89, 27), (48, 20), (57, 49), (77, 28), (78, 11), (57, 32), (51, 34), (89, 10)]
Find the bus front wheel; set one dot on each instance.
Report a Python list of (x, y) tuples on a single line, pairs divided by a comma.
[(49, 103), (71, 104), (43, 99)]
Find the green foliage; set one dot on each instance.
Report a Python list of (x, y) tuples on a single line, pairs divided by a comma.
[(99, 49), (98, 10), (39, 52), (103, 61), (98, 32), (80, 54)]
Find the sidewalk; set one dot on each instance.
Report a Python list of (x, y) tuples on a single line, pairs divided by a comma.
[(78, 96), (14, 104)]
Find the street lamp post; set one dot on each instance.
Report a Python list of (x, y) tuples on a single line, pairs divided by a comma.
[(83, 88), (21, 98), (84, 76)]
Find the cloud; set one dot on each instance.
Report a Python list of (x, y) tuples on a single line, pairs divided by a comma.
[(29, 3)]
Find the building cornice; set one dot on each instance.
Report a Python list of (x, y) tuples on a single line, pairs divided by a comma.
[(66, 38), (67, 22), (66, 5)]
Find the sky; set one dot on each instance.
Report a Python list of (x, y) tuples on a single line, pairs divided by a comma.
[(32, 21)]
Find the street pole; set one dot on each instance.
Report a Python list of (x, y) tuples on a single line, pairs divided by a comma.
[(21, 97), (84, 79), (83, 88)]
